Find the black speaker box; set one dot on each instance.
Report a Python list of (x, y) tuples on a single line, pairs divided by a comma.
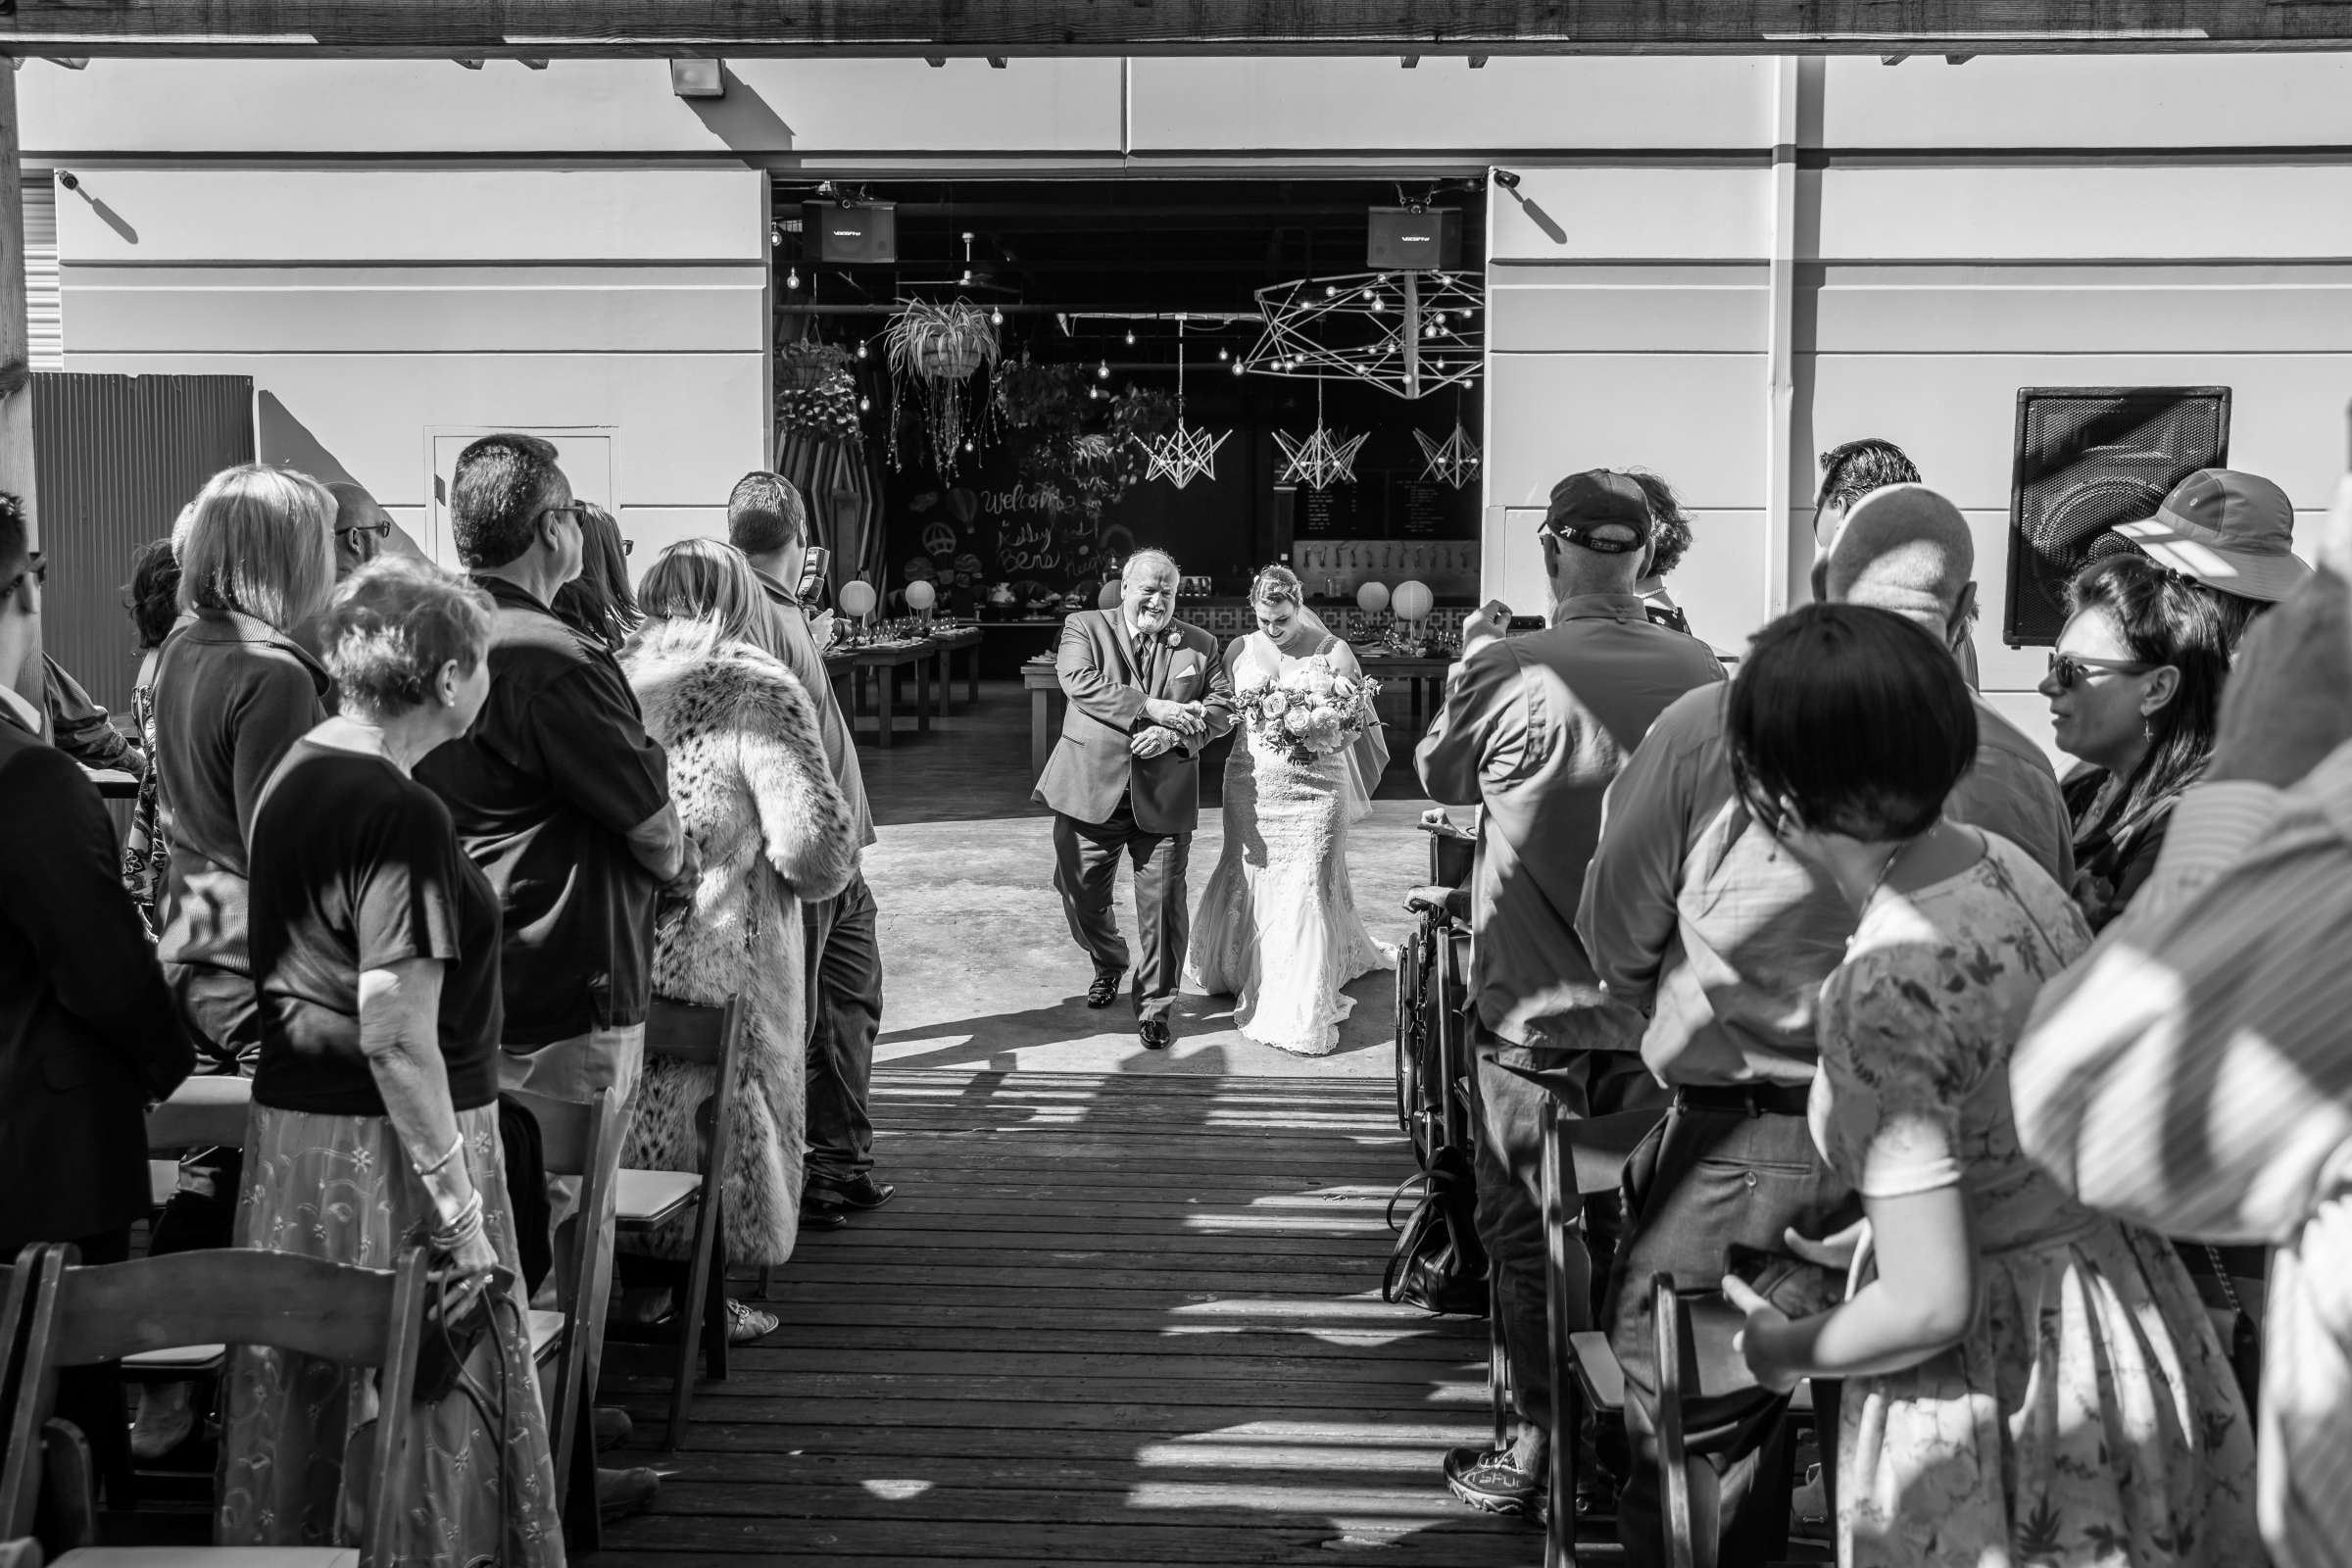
[(2087, 459), (1405, 241), (847, 235)]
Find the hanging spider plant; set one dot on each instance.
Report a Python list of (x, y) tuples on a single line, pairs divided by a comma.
[(940, 347)]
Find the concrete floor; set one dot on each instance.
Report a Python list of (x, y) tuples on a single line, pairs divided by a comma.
[(979, 967)]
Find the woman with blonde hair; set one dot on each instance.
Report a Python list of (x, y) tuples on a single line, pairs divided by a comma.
[(233, 691), (1278, 928), (748, 773)]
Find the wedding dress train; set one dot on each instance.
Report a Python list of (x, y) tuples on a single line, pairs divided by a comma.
[(1278, 929)]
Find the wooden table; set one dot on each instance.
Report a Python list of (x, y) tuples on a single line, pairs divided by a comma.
[(951, 640), (886, 661), (1044, 687), (1387, 668)]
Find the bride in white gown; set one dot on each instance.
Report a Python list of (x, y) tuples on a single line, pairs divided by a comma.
[(1278, 929)]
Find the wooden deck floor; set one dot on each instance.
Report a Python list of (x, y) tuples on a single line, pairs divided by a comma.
[(1108, 1320)]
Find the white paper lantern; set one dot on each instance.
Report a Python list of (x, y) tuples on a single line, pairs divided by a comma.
[(921, 596), (858, 598), (1372, 597), (1413, 601), (1109, 597)]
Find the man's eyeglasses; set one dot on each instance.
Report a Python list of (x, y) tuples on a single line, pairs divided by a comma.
[(578, 514), (2070, 670), (36, 568), (360, 530)]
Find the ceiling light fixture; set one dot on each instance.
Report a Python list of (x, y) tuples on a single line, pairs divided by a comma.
[(1184, 454)]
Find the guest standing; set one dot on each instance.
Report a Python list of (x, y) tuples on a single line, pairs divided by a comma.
[(2232, 534), (2135, 688), (154, 608), (754, 792), (768, 522), (88, 1030), (375, 954), (1533, 729), (563, 801), (234, 692), (1670, 541), (2024, 1381), (598, 602), (1693, 915)]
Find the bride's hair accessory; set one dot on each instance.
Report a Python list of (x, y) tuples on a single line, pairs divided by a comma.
[(1274, 585)]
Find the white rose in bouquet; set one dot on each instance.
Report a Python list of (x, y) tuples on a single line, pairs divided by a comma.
[(1323, 733), (1275, 703), (1297, 719), (1343, 690), (1318, 678)]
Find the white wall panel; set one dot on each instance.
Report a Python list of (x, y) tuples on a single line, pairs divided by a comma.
[(377, 216), (2023, 309), (2216, 100), (1649, 213), (1698, 419), (476, 309), (1603, 309), (2088, 211), (1351, 103)]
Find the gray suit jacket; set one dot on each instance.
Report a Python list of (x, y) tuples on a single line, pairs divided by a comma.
[(1092, 767)]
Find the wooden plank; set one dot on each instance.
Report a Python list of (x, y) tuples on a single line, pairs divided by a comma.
[(947, 1238), (1061, 1370), (830, 1345), (856, 1438), (1466, 1537), (902, 1321), (1072, 1388), (510, 29)]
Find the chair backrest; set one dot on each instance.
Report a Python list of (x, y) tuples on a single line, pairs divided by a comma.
[(1678, 1376), (590, 1150), (239, 1295), (688, 1031)]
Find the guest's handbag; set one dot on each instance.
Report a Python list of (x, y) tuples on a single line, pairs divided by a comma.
[(1439, 1265), (453, 1327)]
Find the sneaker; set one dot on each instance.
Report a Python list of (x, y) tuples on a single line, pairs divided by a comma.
[(746, 1323), (1488, 1479), (622, 1492), (860, 1191), (613, 1427)]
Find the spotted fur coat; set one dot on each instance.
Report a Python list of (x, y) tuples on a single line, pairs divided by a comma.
[(748, 773)]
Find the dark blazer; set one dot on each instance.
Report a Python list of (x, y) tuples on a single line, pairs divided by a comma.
[(88, 1033), (1091, 766)]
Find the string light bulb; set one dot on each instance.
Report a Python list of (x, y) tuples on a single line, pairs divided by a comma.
[(1131, 337), (864, 404), (1102, 372), (862, 351), (995, 317), (791, 279), (1224, 354)]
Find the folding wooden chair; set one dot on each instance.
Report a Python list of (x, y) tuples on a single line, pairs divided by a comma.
[(566, 1340), (354, 1316), (202, 1113), (648, 1200)]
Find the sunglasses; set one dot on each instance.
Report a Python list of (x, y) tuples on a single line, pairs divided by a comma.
[(35, 567), (2071, 670), (628, 547), (357, 531)]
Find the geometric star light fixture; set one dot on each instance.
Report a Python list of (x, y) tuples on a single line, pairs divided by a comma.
[(1456, 459), (1184, 454), (1322, 460), (1407, 333)]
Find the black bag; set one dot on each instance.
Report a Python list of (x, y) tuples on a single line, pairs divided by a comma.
[(1438, 1264)]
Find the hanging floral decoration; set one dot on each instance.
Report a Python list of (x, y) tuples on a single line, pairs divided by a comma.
[(817, 392), (936, 351)]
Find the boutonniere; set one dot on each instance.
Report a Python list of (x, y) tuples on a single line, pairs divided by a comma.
[(1174, 639)]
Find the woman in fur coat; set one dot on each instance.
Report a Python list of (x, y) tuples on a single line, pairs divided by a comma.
[(748, 773)]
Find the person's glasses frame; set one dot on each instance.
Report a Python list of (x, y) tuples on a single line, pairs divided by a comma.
[(576, 512), (36, 567), (2070, 670), (382, 530)]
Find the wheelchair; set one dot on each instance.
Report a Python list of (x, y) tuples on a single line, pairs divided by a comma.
[(1433, 999)]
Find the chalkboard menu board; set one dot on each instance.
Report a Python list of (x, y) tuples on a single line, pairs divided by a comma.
[(1387, 504), (1326, 513)]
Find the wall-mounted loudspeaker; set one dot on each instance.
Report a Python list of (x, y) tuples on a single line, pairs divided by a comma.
[(2087, 459), (1403, 240), (847, 235)]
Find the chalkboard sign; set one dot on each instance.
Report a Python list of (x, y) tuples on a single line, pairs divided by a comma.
[(1326, 513), (1421, 509)]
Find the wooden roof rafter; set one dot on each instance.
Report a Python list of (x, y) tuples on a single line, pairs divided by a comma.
[(540, 30)]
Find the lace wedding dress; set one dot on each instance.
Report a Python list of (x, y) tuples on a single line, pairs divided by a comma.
[(1278, 929)]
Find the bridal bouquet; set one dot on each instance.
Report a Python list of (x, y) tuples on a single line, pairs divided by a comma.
[(1310, 712)]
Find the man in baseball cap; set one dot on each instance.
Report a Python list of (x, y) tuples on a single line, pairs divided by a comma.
[(1599, 509), (2234, 532)]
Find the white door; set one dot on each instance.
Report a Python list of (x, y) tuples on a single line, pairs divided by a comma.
[(583, 452)]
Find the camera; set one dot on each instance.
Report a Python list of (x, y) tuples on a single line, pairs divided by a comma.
[(1506, 180)]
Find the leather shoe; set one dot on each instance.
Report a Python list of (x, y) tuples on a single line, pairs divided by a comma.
[(1155, 1034), (622, 1492), (1106, 989), (860, 1191), (823, 1217)]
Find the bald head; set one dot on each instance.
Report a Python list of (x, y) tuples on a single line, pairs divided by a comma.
[(1906, 549)]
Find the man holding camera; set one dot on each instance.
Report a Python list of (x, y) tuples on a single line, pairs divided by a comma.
[(1531, 730)]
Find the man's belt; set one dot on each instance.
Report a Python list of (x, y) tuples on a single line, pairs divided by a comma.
[(1757, 1099)]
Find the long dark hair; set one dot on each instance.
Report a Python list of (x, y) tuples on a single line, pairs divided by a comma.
[(598, 602), (2166, 619), (153, 590)]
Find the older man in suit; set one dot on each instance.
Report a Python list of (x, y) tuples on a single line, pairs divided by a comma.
[(1146, 693)]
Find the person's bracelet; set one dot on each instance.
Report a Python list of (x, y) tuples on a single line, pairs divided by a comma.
[(465, 1227), (451, 1152)]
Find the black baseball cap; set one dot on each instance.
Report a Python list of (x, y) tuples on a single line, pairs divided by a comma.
[(1600, 510)]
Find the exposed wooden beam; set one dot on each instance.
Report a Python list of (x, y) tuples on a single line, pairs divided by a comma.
[(544, 29)]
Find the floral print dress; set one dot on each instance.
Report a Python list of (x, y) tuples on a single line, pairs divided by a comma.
[(2089, 1417)]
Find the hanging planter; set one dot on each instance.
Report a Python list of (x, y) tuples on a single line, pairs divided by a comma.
[(938, 348)]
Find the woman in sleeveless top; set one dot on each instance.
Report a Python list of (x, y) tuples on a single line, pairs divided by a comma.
[(1278, 929)]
